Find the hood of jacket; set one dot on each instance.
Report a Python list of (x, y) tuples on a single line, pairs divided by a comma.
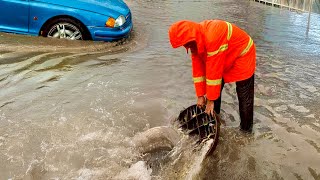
[(185, 31)]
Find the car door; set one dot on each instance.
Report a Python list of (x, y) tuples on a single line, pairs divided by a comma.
[(14, 15)]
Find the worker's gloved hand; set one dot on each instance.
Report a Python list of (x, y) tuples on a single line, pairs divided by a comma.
[(209, 107), (201, 101)]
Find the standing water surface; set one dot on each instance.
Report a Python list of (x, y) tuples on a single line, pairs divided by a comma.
[(68, 110)]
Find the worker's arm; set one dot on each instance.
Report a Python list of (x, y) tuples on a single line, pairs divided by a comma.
[(217, 46), (199, 78), (214, 69)]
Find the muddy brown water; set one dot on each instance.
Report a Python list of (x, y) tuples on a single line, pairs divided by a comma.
[(69, 110)]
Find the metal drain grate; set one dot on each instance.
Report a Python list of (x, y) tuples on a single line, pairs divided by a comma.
[(195, 122)]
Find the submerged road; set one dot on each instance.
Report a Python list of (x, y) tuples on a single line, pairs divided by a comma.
[(69, 110)]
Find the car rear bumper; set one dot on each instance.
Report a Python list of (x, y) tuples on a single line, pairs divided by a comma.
[(109, 34)]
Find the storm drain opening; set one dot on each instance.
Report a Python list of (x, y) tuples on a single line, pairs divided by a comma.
[(195, 122)]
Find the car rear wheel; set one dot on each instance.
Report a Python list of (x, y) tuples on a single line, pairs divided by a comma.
[(66, 28)]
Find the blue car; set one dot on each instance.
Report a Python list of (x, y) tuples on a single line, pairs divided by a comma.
[(98, 20)]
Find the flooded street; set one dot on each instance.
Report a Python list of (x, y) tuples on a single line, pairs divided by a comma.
[(69, 110)]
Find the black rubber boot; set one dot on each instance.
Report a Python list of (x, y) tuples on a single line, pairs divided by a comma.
[(245, 92), (217, 102)]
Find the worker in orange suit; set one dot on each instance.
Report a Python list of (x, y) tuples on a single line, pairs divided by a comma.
[(221, 53)]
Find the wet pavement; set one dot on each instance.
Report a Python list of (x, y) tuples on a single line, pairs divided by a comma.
[(69, 110)]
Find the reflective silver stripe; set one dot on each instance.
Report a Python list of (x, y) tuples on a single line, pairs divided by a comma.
[(250, 43), (213, 82), (229, 30), (199, 79), (221, 48)]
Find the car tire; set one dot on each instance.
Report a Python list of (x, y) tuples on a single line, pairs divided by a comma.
[(66, 28)]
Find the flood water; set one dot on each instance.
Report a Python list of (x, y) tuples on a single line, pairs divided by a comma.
[(69, 110)]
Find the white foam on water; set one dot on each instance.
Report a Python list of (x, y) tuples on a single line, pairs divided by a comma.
[(310, 116), (281, 108), (97, 135), (87, 174), (35, 170), (274, 101), (2, 117), (137, 171), (196, 166), (301, 109), (303, 96)]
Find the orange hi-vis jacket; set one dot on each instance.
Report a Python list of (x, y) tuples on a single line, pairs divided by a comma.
[(224, 51)]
